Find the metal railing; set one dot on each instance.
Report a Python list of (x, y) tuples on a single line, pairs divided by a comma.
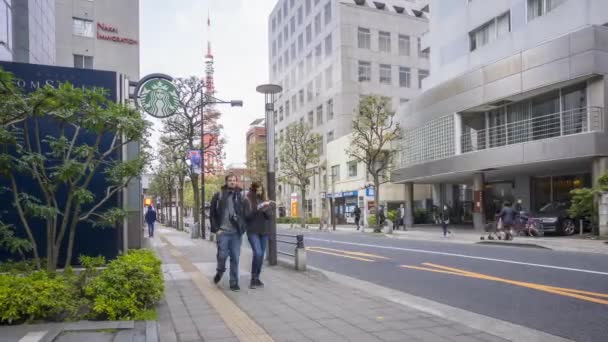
[(575, 121), (299, 254), (299, 243)]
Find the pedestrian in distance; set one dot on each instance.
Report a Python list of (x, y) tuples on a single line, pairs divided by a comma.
[(381, 216), (445, 220), (259, 214), (227, 218), (401, 216), (357, 213), (150, 219)]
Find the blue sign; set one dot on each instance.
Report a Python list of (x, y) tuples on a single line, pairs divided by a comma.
[(350, 193), (89, 240), (370, 192)]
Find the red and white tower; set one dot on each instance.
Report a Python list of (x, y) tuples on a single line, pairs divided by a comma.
[(211, 138)]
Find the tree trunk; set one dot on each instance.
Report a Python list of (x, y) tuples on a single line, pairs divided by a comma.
[(50, 247), (197, 201), (170, 206), (377, 200), (180, 194), (304, 211)]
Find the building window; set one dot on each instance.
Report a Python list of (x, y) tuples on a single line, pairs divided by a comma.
[(318, 24), (82, 27), (330, 110), (335, 173), (537, 8), (274, 48), (330, 136), (301, 44), (274, 25), (286, 58), (385, 73), (328, 13), (318, 53), (364, 38), (328, 45), (287, 109), (300, 16), (422, 74), (365, 71), (301, 70), (309, 92), (292, 25), (280, 65), (294, 103), (280, 40), (404, 45), (311, 119), (422, 54), (279, 16), (320, 116), (318, 84), (352, 169), (281, 113), (403, 100), (83, 62), (384, 41), (309, 63), (293, 51), (404, 77), (285, 33), (301, 95), (490, 31), (329, 80), (308, 34), (308, 5)]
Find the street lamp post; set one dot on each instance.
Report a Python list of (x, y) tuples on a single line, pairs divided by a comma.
[(270, 91), (207, 99)]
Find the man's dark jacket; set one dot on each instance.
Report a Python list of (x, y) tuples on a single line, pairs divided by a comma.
[(218, 205)]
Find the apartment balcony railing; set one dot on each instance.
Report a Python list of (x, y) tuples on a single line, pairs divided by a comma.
[(575, 121)]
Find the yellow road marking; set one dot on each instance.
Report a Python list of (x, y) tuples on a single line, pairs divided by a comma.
[(338, 254), (578, 294), (350, 252)]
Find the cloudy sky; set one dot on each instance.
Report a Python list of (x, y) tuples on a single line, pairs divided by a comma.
[(174, 39)]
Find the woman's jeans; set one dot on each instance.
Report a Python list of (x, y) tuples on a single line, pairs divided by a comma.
[(258, 243)]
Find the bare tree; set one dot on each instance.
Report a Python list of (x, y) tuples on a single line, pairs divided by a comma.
[(299, 150), (183, 131), (374, 131)]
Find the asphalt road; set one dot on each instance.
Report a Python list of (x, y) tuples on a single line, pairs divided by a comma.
[(561, 293)]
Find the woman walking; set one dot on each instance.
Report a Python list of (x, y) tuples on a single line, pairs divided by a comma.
[(258, 227)]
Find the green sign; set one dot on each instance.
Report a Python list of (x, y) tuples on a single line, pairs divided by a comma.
[(158, 97)]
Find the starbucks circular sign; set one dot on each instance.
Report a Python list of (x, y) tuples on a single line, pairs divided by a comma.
[(158, 97)]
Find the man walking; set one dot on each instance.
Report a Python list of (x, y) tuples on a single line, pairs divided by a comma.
[(357, 213), (401, 216), (150, 219), (227, 218)]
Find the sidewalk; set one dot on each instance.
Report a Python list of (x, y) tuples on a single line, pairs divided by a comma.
[(294, 306), (470, 236)]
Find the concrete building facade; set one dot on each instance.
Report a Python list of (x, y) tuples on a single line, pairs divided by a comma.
[(27, 31), (326, 55), (98, 34), (515, 107)]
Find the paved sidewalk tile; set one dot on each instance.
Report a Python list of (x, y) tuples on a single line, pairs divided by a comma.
[(293, 306)]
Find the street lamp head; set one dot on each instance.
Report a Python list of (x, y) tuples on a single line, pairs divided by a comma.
[(269, 89), (236, 103)]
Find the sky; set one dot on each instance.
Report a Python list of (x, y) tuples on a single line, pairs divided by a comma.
[(174, 35)]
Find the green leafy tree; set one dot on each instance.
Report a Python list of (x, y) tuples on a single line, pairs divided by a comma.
[(374, 132), (257, 161), (65, 161), (583, 202), (298, 152)]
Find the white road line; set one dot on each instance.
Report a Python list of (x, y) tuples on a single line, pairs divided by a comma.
[(459, 255), (33, 336)]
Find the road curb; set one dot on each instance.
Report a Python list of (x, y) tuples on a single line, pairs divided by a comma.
[(493, 326), (512, 244)]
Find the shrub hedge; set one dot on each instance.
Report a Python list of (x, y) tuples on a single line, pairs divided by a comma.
[(128, 288)]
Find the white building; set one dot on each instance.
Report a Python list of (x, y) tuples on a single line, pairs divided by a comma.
[(515, 107), (27, 31), (100, 34), (326, 55)]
